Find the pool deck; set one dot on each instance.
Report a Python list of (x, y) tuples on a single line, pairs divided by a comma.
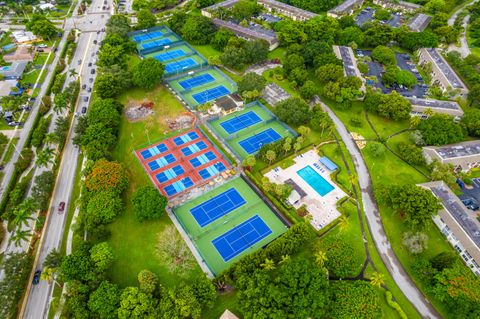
[(322, 208)]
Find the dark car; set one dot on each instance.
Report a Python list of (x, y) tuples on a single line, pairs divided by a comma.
[(36, 277), (85, 99), (89, 90), (90, 80), (89, 64), (61, 207), (84, 110), (93, 71), (84, 87), (94, 41)]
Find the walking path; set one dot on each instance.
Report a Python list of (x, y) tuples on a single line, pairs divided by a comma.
[(375, 224)]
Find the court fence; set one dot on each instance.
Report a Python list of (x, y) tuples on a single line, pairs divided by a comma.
[(228, 138)]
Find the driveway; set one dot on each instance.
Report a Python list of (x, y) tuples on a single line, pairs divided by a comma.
[(375, 225)]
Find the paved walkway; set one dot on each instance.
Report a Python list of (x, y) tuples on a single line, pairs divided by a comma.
[(372, 215)]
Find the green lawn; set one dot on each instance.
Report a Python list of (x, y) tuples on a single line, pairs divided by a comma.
[(134, 242), (10, 150)]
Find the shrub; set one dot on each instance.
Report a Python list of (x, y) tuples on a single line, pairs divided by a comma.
[(395, 305)]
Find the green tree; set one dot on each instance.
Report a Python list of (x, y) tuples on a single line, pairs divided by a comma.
[(308, 90), (146, 19), (394, 106), (271, 156), (221, 38), (406, 78), (440, 129), (148, 203), (329, 73), (105, 300), (293, 111), (41, 26), (250, 82), (415, 204), (102, 208), (198, 29), (249, 161), (44, 157), (118, 24), (244, 9), (53, 259), (108, 85), (258, 297), (111, 55), (23, 212), (102, 256), (16, 267), (471, 121), (20, 236), (354, 297), (148, 73), (411, 154), (320, 258), (377, 279), (60, 102), (136, 304), (147, 281), (293, 61)]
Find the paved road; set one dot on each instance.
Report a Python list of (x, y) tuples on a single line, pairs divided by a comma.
[(39, 296), (463, 49), (375, 224)]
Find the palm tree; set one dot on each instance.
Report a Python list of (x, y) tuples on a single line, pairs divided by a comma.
[(22, 216), (48, 274), (325, 123), (73, 72), (415, 121), (428, 112), (284, 259), (377, 279), (287, 146), (269, 264), (51, 138), (320, 258), (353, 179), (20, 236), (249, 161), (343, 223), (297, 146), (304, 130), (44, 157), (270, 155)]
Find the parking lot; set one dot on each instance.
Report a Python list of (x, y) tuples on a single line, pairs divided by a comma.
[(404, 62), (471, 196), (396, 20), (366, 15)]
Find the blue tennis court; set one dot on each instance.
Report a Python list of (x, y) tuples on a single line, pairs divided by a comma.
[(185, 138), (178, 186), (255, 142), (217, 206), (179, 65), (155, 150), (194, 148), (241, 237), (161, 162), (203, 159), (147, 36), (169, 174), (211, 170), (210, 94), (167, 56), (240, 122), (156, 43), (196, 81)]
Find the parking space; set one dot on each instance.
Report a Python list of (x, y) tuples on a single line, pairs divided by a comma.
[(404, 62), (366, 15), (396, 20)]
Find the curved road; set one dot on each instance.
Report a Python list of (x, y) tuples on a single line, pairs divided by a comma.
[(372, 215), (463, 48)]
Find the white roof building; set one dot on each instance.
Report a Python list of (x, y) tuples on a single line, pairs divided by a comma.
[(24, 36)]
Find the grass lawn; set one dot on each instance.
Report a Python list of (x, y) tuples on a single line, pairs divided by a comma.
[(10, 150), (133, 242)]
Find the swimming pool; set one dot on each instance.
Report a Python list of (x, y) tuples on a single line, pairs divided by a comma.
[(315, 180)]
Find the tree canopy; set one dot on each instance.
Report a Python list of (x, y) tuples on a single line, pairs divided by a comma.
[(148, 203), (294, 111), (441, 129), (147, 73)]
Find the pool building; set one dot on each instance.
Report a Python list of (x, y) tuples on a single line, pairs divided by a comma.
[(312, 186)]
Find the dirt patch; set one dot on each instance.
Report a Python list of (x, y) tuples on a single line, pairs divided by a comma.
[(137, 111), (359, 139), (183, 121)]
